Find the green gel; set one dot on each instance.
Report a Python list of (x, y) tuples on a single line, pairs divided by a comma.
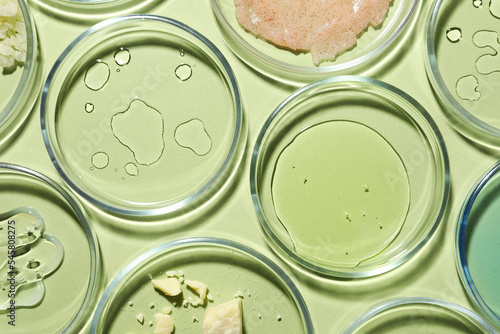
[(341, 192)]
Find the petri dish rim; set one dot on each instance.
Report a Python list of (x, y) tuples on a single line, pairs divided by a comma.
[(460, 244), (417, 300), (202, 241), (196, 196), (95, 270), (29, 73), (307, 71), (469, 125), (254, 170)]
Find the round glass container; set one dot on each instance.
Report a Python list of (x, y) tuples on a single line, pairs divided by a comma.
[(477, 242), (420, 315), (462, 65), (20, 85), (94, 10), (270, 301), (284, 64), (349, 177), (50, 264), (141, 115)]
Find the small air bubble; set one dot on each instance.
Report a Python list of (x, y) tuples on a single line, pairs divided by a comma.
[(477, 3)]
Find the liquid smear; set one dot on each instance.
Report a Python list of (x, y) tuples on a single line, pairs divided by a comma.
[(194, 136), (467, 88), (341, 192), (140, 128), (482, 242), (35, 255), (490, 62)]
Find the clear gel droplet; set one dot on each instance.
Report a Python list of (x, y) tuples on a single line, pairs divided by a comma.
[(454, 34), (495, 8), (97, 75), (100, 160), (131, 169), (122, 57), (183, 72), (89, 107)]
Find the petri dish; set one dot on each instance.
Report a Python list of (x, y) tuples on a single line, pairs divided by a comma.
[(50, 264), (419, 315), (270, 300), (349, 177), (283, 64), (476, 239), (94, 10), (461, 60), (141, 115), (20, 84)]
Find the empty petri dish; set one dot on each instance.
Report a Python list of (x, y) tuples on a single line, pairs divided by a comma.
[(20, 67), (93, 10), (462, 65), (270, 301), (349, 177), (281, 63), (50, 267), (141, 115), (476, 240), (419, 315)]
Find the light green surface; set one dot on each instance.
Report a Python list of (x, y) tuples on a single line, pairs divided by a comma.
[(333, 303)]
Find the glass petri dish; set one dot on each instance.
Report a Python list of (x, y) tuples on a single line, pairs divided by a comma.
[(142, 116), (461, 52), (349, 177), (476, 239), (271, 302), (50, 264), (20, 84), (419, 315), (283, 64), (94, 10)]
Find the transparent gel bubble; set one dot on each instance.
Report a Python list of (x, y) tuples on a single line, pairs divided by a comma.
[(122, 57), (97, 76), (183, 72), (140, 128), (467, 88), (32, 255), (131, 169), (100, 160), (194, 136), (454, 34), (89, 107)]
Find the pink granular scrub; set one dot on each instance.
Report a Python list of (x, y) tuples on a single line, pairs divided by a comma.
[(323, 27)]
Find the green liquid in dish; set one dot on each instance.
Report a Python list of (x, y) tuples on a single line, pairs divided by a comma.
[(483, 244), (341, 191)]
